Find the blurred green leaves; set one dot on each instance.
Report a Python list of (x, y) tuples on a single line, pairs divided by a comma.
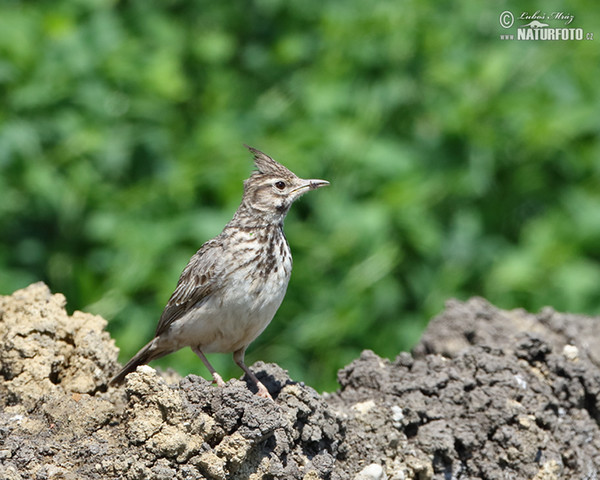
[(459, 164)]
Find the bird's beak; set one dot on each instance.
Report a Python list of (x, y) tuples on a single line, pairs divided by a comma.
[(313, 184)]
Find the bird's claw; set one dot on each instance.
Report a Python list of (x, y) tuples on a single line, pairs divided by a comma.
[(263, 392), (218, 380)]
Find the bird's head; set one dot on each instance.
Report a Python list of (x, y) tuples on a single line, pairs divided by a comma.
[(272, 188)]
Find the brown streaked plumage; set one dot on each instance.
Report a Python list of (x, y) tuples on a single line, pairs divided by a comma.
[(231, 288)]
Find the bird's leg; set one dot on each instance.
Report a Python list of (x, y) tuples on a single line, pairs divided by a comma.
[(238, 357), (216, 377)]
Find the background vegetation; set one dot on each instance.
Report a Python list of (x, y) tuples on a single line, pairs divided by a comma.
[(460, 164)]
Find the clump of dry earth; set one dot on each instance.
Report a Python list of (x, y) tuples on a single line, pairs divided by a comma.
[(487, 393)]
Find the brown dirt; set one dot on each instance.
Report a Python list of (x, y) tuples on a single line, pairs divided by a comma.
[(486, 394)]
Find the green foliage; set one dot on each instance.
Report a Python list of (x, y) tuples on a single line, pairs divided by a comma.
[(459, 164)]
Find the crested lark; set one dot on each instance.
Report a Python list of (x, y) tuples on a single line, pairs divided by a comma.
[(231, 288)]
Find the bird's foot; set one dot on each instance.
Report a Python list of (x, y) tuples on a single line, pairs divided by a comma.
[(263, 392), (218, 380)]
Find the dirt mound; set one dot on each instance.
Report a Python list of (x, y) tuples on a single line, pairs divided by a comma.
[(486, 394)]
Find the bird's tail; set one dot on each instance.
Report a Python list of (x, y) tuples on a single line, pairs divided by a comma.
[(148, 353)]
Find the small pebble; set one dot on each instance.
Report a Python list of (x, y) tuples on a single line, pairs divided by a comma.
[(571, 352), (397, 416), (373, 471)]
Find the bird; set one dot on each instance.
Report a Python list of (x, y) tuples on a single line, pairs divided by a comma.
[(234, 284)]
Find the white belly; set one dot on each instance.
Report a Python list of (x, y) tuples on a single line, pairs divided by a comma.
[(232, 318)]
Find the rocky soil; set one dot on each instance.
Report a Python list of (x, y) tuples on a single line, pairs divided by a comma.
[(487, 393)]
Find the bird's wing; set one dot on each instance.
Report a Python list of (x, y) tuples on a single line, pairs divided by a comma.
[(197, 282)]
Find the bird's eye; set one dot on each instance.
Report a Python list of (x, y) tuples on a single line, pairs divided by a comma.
[(280, 185)]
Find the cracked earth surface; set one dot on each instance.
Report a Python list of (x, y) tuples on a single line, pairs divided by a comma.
[(487, 393)]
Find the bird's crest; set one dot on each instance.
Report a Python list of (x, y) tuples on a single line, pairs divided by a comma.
[(266, 165)]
